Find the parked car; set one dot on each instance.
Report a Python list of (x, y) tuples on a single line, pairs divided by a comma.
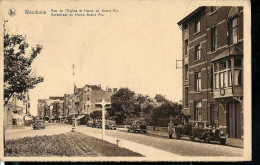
[(39, 124), (183, 130), (207, 132), (110, 124), (137, 126)]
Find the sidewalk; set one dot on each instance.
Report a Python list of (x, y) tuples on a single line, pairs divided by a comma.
[(230, 141), (144, 150)]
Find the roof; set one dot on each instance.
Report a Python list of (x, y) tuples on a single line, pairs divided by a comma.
[(56, 98), (234, 51), (190, 15), (93, 87)]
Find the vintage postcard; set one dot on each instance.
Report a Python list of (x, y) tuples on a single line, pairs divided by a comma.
[(153, 80)]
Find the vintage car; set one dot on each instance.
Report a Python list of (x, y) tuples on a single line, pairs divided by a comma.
[(137, 126), (110, 124), (201, 130), (183, 130), (39, 124)]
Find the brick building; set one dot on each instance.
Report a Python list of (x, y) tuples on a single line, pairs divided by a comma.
[(212, 69)]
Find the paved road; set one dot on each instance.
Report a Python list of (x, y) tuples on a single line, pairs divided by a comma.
[(51, 129), (180, 147)]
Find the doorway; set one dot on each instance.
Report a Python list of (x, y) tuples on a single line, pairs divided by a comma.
[(234, 119)]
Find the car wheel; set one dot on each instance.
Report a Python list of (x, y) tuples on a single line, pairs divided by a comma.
[(207, 139), (178, 136), (222, 141), (128, 130), (144, 131)]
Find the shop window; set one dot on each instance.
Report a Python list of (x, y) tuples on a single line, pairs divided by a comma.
[(198, 81), (233, 31), (198, 111)]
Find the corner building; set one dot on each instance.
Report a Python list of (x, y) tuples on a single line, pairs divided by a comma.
[(212, 47)]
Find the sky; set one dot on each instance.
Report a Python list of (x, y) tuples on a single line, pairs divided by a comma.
[(136, 47)]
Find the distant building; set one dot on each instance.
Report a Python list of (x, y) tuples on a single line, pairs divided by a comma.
[(212, 39), (90, 96)]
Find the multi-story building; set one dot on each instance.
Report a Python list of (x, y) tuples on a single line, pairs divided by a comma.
[(89, 98), (212, 69)]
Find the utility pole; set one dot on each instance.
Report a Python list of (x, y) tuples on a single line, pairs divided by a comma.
[(73, 100)]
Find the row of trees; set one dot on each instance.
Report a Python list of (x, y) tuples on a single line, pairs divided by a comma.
[(128, 104)]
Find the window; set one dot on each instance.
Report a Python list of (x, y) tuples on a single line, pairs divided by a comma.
[(198, 114), (186, 74), (186, 97), (213, 8), (238, 77), (233, 31), (198, 81), (222, 79), (237, 62), (87, 97), (197, 52), (229, 78), (216, 81), (211, 79), (215, 67), (197, 24), (213, 114), (213, 39), (186, 47), (222, 65)]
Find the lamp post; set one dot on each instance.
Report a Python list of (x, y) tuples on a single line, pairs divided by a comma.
[(103, 103), (73, 101)]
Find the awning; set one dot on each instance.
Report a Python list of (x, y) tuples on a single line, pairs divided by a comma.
[(234, 51), (16, 116)]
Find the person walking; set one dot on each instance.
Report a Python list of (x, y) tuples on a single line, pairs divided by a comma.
[(170, 129)]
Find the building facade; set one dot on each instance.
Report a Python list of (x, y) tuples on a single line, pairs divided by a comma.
[(212, 39), (90, 96)]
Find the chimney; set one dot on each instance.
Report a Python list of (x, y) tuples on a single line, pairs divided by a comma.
[(107, 88), (99, 86)]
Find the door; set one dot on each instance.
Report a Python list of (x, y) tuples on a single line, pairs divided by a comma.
[(234, 109)]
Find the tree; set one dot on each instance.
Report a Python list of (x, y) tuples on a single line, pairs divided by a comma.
[(96, 114), (18, 76), (123, 104)]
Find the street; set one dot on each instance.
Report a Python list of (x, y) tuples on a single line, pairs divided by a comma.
[(179, 147)]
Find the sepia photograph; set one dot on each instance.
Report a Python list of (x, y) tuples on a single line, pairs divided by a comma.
[(90, 80)]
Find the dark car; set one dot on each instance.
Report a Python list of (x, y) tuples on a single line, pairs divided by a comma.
[(137, 126), (39, 124), (207, 132), (183, 130)]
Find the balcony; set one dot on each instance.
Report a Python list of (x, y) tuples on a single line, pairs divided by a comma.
[(228, 92)]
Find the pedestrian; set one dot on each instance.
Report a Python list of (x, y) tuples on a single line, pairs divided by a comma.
[(170, 129)]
